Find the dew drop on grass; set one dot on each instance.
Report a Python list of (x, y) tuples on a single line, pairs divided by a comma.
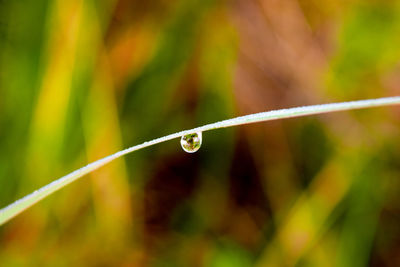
[(191, 142)]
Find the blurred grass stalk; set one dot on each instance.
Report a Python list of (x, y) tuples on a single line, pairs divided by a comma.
[(17, 207)]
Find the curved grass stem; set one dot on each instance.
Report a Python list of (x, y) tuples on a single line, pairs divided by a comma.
[(22, 204)]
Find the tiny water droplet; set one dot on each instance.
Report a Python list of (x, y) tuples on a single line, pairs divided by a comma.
[(191, 142)]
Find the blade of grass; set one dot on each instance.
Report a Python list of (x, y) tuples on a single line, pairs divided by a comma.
[(22, 204)]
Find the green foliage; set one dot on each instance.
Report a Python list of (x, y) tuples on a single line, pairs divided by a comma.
[(82, 79)]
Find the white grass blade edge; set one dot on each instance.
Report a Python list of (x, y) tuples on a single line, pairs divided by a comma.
[(22, 204)]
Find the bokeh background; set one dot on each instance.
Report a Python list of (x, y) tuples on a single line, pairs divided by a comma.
[(81, 79)]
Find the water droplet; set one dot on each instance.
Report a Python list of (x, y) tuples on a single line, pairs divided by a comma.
[(191, 142)]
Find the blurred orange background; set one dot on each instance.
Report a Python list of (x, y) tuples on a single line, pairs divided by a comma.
[(82, 79)]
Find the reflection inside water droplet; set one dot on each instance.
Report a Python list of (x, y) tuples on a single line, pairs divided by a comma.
[(191, 142)]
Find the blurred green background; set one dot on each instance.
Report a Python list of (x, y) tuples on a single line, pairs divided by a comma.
[(81, 79)]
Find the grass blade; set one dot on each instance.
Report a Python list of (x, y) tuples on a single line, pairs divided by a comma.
[(22, 204)]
